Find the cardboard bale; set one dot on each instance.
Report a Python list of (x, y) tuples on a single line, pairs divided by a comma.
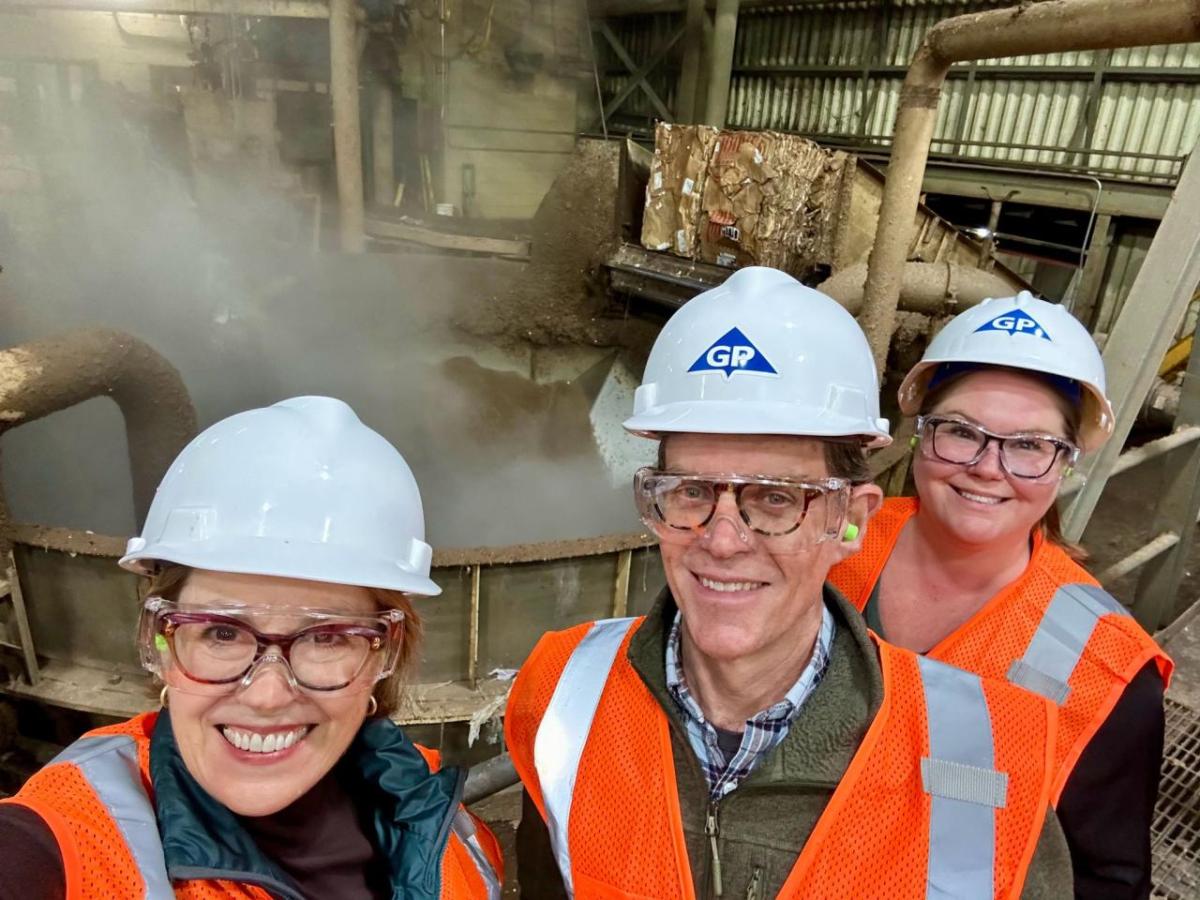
[(673, 194), (769, 200), (739, 198)]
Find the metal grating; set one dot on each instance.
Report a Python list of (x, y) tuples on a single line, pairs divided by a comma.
[(1175, 833)]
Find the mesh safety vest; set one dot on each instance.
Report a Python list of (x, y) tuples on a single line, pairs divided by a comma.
[(96, 799), (945, 797), (1053, 631)]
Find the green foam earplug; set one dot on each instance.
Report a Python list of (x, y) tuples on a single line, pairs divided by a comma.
[(850, 533), (160, 643)]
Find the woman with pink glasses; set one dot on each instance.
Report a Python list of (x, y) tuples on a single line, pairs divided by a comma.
[(281, 555)]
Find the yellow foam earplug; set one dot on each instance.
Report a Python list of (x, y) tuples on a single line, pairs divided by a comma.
[(850, 533)]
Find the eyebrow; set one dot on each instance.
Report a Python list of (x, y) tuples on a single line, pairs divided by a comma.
[(973, 421)]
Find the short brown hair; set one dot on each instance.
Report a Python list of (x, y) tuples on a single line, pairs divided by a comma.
[(169, 580), (844, 457)]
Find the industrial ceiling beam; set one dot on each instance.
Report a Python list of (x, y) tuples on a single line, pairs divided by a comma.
[(291, 9)]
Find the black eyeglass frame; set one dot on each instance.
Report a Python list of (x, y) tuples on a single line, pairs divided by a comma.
[(928, 424)]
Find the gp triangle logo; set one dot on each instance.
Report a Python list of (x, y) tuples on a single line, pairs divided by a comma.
[(733, 352), (1016, 322)]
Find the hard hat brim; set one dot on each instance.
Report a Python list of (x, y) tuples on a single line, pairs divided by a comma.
[(729, 417), (325, 563)]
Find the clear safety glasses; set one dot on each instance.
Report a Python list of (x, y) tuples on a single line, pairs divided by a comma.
[(1023, 455), (219, 649), (787, 512)]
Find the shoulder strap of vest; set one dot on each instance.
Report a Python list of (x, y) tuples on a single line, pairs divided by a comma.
[(558, 745), (110, 765), (1058, 643)]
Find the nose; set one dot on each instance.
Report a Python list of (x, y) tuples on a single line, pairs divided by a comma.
[(726, 534), (269, 685), (988, 465)]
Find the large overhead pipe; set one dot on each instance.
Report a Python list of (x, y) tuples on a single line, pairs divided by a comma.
[(721, 63), (1046, 27), (45, 376), (935, 289), (347, 129)]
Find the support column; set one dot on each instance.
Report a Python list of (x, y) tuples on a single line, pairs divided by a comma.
[(347, 129), (688, 108), (721, 63), (1091, 279), (383, 177)]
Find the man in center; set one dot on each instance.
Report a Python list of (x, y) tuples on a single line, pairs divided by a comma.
[(748, 738)]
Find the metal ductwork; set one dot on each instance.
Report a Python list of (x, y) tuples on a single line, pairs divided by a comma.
[(45, 376), (935, 289), (1047, 27)]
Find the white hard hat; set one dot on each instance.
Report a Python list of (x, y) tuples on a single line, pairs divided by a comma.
[(1020, 332), (301, 489), (761, 354)]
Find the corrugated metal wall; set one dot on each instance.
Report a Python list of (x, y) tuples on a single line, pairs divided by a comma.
[(833, 71)]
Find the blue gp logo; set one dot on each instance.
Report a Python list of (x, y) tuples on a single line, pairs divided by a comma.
[(1016, 322), (733, 352)]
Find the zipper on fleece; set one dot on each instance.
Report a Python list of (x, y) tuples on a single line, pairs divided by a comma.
[(712, 829)]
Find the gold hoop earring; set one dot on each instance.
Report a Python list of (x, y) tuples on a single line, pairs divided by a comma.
[(372, 706), (164, 699)]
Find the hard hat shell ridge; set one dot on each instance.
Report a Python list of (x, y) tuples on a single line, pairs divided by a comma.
[(302, 489), (761, 354)]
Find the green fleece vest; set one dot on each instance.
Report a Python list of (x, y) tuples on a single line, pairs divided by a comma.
[(763, 824)]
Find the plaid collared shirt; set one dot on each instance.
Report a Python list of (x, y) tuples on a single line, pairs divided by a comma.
[(764, 730)]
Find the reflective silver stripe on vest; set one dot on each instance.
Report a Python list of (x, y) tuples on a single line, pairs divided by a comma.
[(1056, 646), (965, 789), (560, 739), (110, 765), (464, 827)]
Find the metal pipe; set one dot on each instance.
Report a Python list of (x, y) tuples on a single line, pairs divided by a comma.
[(347, 129), (1049, 26), (1135, 457), (45, 376), (1139, 557), (489, 778), (929, 288), (290, 9), (693, 57), (721, 63), (383, 144)]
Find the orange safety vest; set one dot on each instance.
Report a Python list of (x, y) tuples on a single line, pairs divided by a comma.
[(945, 797), (1053, 631), (102, 816)]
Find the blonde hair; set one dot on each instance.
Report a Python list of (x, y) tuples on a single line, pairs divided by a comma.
[(170, 578)]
